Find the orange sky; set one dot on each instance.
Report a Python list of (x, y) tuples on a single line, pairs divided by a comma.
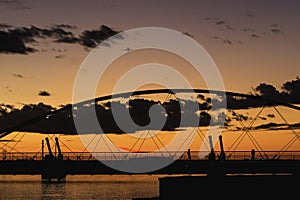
[(236, 34)]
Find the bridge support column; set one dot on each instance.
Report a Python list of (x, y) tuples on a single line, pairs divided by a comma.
[(53, 171)]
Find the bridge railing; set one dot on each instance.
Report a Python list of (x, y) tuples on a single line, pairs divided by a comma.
[(176, 155)]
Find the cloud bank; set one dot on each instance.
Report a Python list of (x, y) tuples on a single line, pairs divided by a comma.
[(19, 40)]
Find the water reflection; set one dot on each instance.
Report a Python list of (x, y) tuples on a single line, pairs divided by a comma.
[(79, 187), (53, 191)]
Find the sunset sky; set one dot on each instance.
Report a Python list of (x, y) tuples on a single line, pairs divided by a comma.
[(251, 42)]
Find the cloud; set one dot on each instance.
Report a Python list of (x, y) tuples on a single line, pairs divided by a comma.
[(63, 122), (271, 115), (277, 126), (174, 110), (276, 29), (16, 39), (224, 40), (289, 93), (5, 26), (44, 93), (8, 88), (59, 56), (18, 76), (67, 39), (11, 43), (227, 41), (91, 38), (254, 35), (15, 4), (6, 108), (188, 34), (64, 26), (252, 32), (220, 22)]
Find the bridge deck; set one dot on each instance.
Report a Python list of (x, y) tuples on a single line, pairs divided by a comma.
[(238, 163), (178, 155)]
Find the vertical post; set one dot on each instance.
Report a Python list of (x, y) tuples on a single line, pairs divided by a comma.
[(43, 149), (54, 150), (253, 154), (210, 143), (222, 153), (60, 156), (49, 148), (212, 155)]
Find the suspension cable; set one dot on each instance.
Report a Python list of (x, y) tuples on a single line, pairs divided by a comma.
[(194, 129), (286, 146), (142, 143), (156, 145), (162, 145), (202, 137), (245, 129)]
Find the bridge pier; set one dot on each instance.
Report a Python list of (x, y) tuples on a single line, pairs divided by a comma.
[(53, 169)]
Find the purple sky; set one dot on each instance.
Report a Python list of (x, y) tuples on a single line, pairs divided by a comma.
[(237, 34)]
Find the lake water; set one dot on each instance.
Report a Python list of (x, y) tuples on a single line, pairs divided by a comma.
[(106, 187)]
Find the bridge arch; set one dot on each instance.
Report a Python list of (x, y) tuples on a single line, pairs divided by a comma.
[(265, 102)]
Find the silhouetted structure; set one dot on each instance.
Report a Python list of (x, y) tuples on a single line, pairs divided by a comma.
[(212, 154), (222, 155), (189, 154), (252, 154), (60, 156), (53, 168)]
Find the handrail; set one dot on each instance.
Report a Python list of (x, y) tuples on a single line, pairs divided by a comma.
[(178, 155)]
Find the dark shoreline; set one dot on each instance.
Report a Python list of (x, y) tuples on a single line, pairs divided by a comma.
[(234, 187)]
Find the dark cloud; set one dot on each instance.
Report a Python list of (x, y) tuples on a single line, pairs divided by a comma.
[(223, 40), (17, 39), (252, 32), (91, 38), (228, 27), (262, 118), (5, 26), (5, 108), (220, 22), (238, 116), (254, 35), (8, 89), (65, 26), (62, 122), (44, 93), (188, 34), (271, 115), (68, 39), (18, 76), (11, 43), (59, 56), (227, 41), (289, 93), (276, 29), (15, 4), (277, 126)]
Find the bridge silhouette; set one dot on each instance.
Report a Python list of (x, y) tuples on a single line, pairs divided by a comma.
[(216, 162)]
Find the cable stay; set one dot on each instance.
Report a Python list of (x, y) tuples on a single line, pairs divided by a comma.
[(291, 142), (246, 131)]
